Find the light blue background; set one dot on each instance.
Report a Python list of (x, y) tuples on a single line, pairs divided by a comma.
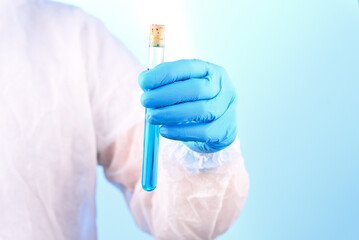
[(296, 66)]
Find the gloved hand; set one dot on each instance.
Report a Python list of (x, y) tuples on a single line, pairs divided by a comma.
[(194, 101)]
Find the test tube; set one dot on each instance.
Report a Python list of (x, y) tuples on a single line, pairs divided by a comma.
[(151, 134)]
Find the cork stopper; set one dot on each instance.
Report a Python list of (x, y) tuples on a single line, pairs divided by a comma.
[(157, 35)]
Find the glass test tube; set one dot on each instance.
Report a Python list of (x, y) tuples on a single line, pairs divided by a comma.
[(151, 134)]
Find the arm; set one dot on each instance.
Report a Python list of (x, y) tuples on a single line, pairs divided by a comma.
[(187, 203), (190, 202)]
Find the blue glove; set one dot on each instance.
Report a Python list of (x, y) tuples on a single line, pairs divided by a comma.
[(194, 101)]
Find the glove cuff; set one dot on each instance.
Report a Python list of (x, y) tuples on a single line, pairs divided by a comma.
[(196, 162)]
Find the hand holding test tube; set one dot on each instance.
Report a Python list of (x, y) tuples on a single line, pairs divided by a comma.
[(193, 101)]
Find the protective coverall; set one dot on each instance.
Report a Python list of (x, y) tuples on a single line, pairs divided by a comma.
[(69, 100)]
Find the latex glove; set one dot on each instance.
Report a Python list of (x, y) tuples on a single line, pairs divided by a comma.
[(194, 101)]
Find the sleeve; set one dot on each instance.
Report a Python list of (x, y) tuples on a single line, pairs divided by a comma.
[(190, 201)]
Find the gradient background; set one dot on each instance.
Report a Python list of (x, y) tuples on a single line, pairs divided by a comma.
[(296, 66)]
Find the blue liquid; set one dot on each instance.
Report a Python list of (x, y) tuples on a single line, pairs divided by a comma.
[(152, 133), (150, 156)]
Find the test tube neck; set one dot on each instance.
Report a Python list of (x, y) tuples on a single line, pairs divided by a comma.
[(155, 56)]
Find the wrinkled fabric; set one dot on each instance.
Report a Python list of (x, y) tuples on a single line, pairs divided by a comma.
[(69, 101), (186, 204)]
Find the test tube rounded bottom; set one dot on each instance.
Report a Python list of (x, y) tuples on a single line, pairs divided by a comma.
[(150, 157)]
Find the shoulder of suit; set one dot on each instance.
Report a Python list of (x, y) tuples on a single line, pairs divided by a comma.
[(56, 14)]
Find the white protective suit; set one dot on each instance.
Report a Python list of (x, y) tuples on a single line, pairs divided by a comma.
[(69, 100)]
